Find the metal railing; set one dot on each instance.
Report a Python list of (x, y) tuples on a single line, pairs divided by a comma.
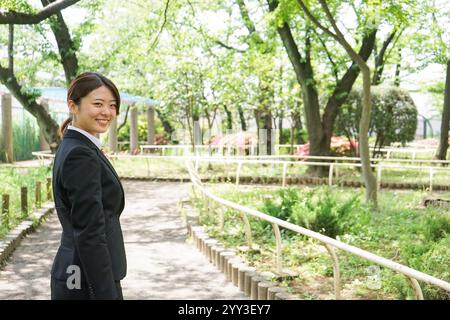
[(186, 149), (333, 166), (228, 149), (330, 244), (387, 151)]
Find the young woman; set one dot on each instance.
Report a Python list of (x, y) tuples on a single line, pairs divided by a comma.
[(89, 197)]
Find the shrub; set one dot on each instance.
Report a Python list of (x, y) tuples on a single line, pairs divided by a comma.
[(436, 227), (318, 212), (25, 138), (394, 116), (339, 147), (436, 262)]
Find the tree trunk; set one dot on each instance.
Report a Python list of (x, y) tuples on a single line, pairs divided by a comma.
[(299, 132), (370, 181), (344, 86), (45, 122), (380, 59), (165, 123), (320, 130), (229, 119), (397, 69), (47, 125), (441, 153), (304, 73), (280, 127), (268, 125), (66, 47), (242, 118)]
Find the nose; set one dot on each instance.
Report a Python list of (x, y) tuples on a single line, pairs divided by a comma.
[(106, 111)]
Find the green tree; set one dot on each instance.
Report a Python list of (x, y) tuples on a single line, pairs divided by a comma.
[(393, 119), (30, 16)]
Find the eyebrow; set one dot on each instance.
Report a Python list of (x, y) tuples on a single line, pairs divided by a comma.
[(99, 99)]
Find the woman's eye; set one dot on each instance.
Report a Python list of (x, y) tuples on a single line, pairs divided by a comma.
[(98, 105)]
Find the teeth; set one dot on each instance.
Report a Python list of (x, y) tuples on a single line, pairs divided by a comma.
[(103, 121)]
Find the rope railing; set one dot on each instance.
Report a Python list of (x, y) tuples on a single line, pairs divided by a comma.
[(330, 244)]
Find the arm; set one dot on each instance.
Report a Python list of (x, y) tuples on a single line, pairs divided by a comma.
[(81, 178)]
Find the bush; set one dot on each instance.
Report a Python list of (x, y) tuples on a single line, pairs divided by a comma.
[(436, 262), (436, 227), (25, 139), (339, 147), (318, 212), (285, 136), (394, 116)]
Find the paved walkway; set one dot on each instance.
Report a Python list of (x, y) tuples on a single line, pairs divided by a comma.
[(161, 263)]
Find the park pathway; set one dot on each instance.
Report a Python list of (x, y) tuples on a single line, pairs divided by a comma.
[(161, 263)]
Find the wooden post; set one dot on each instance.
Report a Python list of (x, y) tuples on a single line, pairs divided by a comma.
[(5, 209), (248, 282), (38, 194), (150, 125), (272, 291), (43, 141), (49, 189), (133, 129), (254, 287), (224, 256), (24, 201), (112, 136), (7, 145), (241, 276), (263, 287)]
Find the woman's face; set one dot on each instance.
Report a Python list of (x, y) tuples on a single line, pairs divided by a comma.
[(95, 112)]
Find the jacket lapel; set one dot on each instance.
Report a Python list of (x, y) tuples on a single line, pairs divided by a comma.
[(77, 135)]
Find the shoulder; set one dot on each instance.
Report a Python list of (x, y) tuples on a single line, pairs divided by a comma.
[(79, 155)]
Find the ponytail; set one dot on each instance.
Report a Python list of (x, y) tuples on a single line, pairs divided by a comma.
[(63, 127)]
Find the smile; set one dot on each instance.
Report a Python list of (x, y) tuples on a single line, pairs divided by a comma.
[(102, 122)]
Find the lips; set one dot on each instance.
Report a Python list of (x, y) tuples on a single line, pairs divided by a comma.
[(102, 122)]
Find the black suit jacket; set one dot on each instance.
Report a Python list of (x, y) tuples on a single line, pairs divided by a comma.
[(89, 199)]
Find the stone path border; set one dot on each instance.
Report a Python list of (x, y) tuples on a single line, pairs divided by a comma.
[(14, 237), (255, 285)]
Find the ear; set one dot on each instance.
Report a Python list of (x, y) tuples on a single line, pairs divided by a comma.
[(72, 107)]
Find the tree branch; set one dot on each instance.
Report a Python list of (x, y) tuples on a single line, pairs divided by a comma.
[(338, 36), (330, 58), (13, 17), (28, 101), (124, 120), (162, 26), (315, 21), (380, 58), (246, 17), (66, 46), (220, 43)]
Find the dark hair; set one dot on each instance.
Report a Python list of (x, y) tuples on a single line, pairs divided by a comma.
[(84, 84)]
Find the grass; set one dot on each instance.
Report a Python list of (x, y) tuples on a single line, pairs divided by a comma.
[(401, 230), (12, 179)]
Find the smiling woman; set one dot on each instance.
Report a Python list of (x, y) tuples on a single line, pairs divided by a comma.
[(93, 102), (89, 197)]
